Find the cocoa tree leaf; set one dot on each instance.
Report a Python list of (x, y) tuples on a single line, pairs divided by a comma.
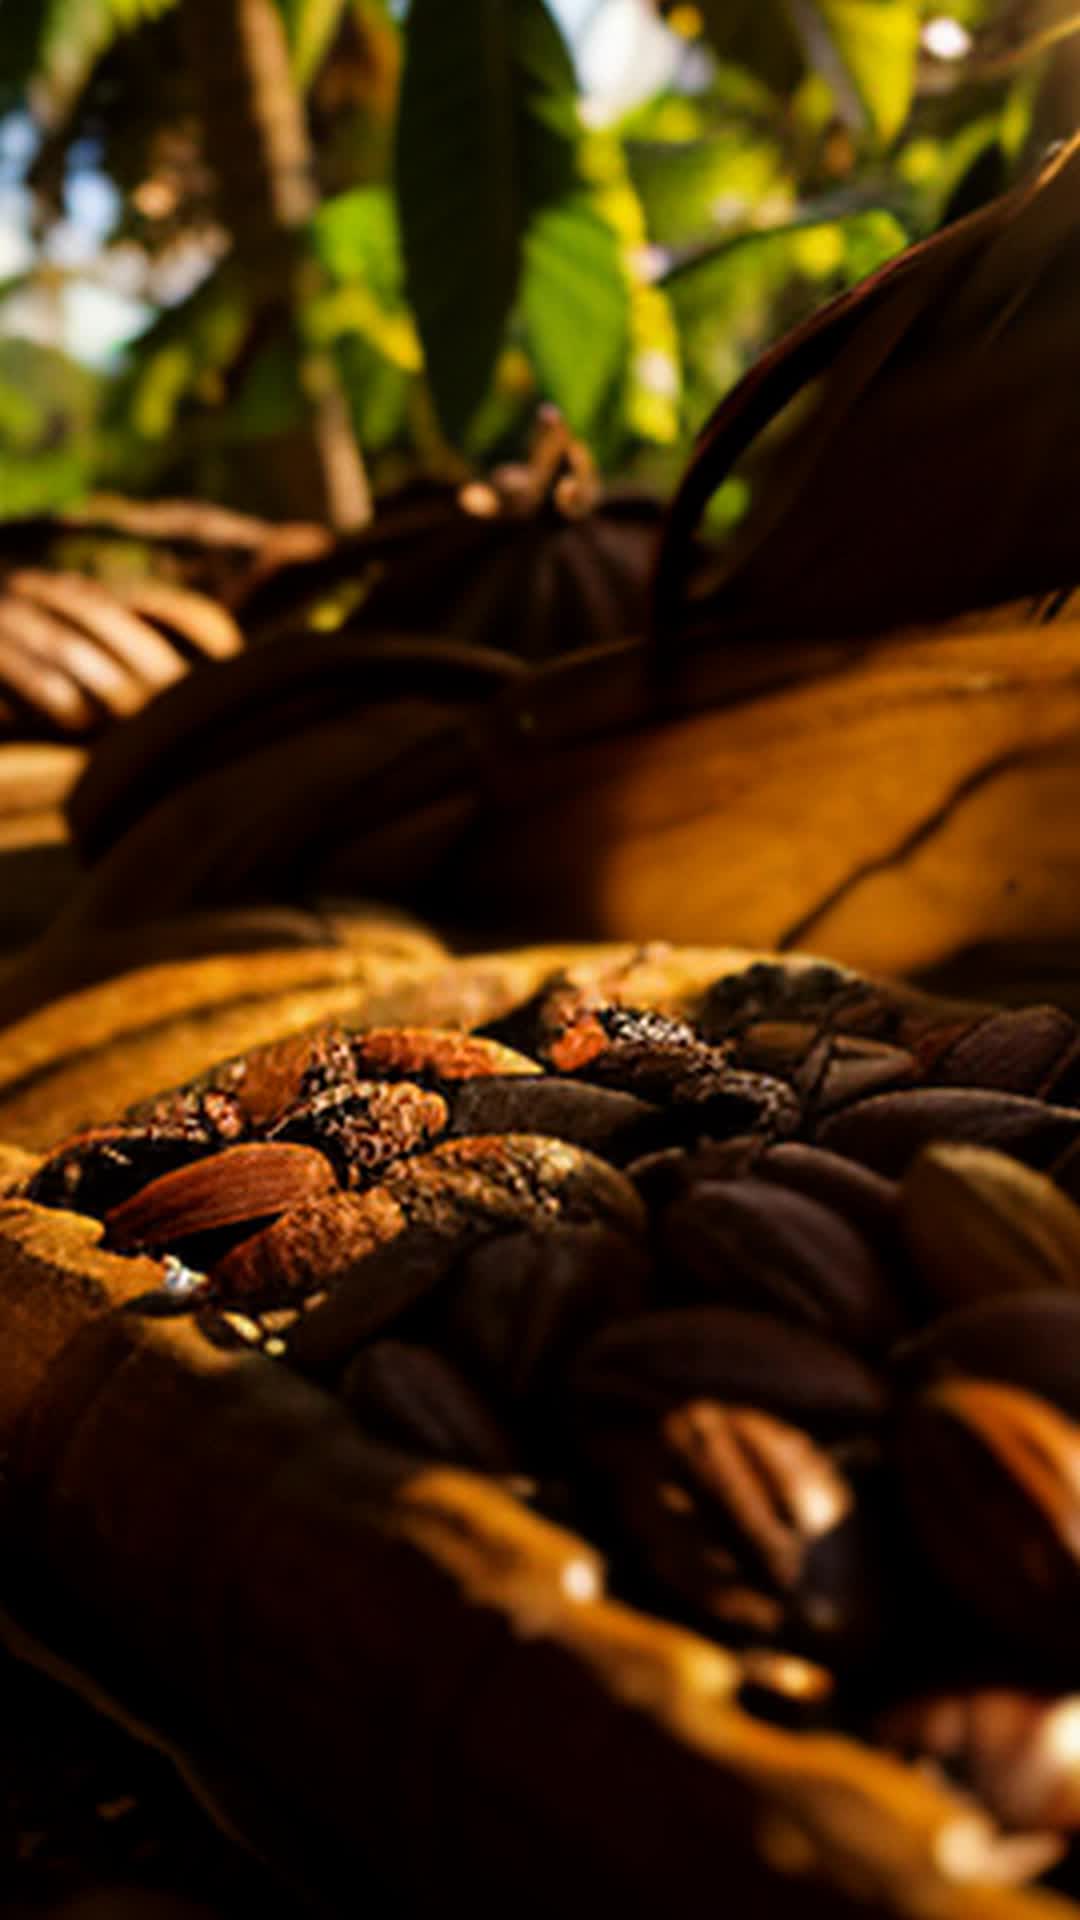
[(487, 138), (864, 48), (310, 26), (575, 308)]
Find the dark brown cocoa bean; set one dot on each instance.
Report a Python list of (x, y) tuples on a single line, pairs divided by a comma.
[(753, 1244), (601, 1119), (1018, 1051), (658, 1360), (366, 1300), (866, 1200), (1019, 1752), (979, 1223), (849, 1068), (991, 1479), (523, 1302), (886, 1133), (416, 1400), (363, 1126), (1028, 1340)]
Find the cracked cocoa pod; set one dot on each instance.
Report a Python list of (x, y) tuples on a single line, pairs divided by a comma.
[(754, 1244), (991, 1478)]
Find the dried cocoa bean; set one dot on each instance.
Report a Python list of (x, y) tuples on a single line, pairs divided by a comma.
[(416, 1400), (753, 1244), (658, 1360), (886, 1133), (991, 1478)]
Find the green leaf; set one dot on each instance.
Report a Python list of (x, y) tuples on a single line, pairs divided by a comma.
[(356, 238), (311, 26), (487, 138), (876, 43), (575, 309)]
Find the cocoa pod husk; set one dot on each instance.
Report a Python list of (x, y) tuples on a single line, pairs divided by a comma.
[(379, 1596)]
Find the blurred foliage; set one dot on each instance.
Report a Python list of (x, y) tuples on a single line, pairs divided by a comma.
[(485, 236)]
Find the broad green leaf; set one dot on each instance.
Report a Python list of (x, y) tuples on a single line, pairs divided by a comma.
[(310, 26), (575, 308), (487, 139), (732, 300), (877, 45), (692, 188), (356, 238)]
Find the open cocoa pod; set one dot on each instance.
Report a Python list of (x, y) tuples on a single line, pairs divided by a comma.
[(427, 1429)]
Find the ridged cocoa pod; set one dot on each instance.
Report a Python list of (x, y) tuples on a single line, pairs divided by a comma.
[(659, 1360), (1027, 1340), (523, 1302), (979, 1222), (991, 1479), (239, 1184), (886, 1133), (1019, 1752), (750, 1243), (414, 1399)]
